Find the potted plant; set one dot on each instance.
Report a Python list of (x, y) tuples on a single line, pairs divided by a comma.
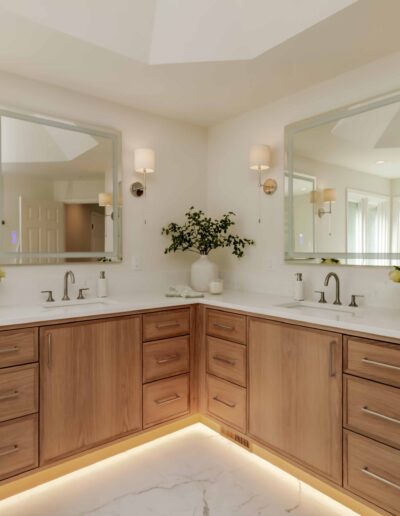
[(201, 234), (394, 275)]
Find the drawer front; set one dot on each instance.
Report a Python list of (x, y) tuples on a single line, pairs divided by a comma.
[(165, 358), (373, 471), (18, 347), (18, 446), (373, 409), (377, 361), (165, 399), (226, 326), (18, 391), (227, 402), (227, 360), (162, 325)]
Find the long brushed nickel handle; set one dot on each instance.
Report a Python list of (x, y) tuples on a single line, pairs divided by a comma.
[(224, 360), (169, 399), (7, 450), (224, 326), (9, 396), (12, 349), (381, 479), (379, 364), (172, 324), (229, 404), (49, 350), (166, 360), (381, 416), (332, 369)]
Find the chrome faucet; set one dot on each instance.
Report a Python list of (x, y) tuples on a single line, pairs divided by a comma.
[(326, 282), (68, 274)]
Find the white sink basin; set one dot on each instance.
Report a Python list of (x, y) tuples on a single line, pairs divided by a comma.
[(323, 311), (78, 305)]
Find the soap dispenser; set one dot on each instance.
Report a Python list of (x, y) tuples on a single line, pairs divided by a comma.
[(299, 287), (102, 285)]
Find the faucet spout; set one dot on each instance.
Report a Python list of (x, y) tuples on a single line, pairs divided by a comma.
[(68, 274), (337, 280)]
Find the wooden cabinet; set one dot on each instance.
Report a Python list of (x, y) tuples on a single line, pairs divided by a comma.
[(90, 385), (227, 402), (295, 393), (164, 358), (161, 325), (226, 325), (227, 360), (18, 391), (18, 347)]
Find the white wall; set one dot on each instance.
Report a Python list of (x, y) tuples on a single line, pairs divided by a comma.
[(179, 182), (231, 186)]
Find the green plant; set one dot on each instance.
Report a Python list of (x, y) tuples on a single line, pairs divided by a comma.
[(201, 234)]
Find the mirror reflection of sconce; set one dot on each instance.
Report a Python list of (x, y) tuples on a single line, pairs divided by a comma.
[(260, 160), (319, 198), (105, 201), (144, 164)]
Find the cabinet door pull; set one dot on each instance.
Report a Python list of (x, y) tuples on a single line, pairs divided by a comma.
[(223, 326), (169, 358), (7, 450), (381, 416), (229, 404), (224, 360), (169, 399), (49, 350), (379, 364), (12, 349), (381, 479), (9, 396), (332, 369), (172, 324)]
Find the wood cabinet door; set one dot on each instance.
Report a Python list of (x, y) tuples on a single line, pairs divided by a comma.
[(295, 393), (90, 385)]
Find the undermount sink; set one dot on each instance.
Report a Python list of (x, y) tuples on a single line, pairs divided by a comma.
[(75, 305), (333, 312)]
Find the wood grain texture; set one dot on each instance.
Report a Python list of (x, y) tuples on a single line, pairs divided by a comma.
[(161, 325), (295, 393), (18, 446), (226, 326), (18, 347), (227, 360), (201, 360), (381, 399), (91, 384), (357, 350), (194, 370), (165, 400), (19, 388), (164, 358), (362, 453), (227, 402)]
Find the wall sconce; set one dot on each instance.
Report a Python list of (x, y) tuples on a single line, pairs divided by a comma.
[(144, 164), (260, 160), (321, 197)]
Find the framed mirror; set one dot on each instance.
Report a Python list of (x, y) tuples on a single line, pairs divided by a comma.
[(60, 198), (342, 185)]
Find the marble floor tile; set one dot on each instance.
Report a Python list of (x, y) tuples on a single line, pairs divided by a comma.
[(194, 472)]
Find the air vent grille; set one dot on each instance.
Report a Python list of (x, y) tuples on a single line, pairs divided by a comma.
[(235, 438)]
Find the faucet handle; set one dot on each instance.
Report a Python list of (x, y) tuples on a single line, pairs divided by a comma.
[(81, 291), (353, 301), (322, 296), (50, 298)]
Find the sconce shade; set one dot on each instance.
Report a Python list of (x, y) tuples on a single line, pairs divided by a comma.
[(329, 195), (144, 161), (260, 157), (105, 199)]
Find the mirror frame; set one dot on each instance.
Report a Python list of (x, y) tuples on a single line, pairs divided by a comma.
[(310, 123), (112, 134)]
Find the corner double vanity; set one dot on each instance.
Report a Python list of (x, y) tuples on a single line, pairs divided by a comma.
[(321, 395)]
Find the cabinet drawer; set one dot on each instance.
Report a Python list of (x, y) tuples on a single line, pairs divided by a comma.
[(227, 360), (165, 399), (373, 409), (18, 391), (18, 347), (227, 326), (375, 360), (373, 471), (227, 402), (161, 325), (18, 446), (165, 358)]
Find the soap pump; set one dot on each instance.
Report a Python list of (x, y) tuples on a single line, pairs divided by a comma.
[(299, 287), (102, 285)]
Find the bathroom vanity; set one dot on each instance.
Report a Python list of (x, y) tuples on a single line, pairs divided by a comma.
[(322, 396)]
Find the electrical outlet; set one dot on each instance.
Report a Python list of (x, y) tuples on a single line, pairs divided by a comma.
[(136, 263)]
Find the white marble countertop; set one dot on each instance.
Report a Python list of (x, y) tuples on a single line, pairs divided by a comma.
[(375, 321)]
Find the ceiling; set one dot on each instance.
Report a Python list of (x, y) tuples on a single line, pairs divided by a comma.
[(201, 61)]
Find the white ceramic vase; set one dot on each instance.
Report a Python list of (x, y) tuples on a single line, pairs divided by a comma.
[(203, 271)]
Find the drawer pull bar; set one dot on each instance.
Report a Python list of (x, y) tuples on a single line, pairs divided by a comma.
[(8, 450), (9, 396), (229, 404), (165, 360), (224, 326), (170, 399), (332, 369), (381, 479), (224, 360), (380, 364), (382, 416), (172, 324), (13, 349)]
